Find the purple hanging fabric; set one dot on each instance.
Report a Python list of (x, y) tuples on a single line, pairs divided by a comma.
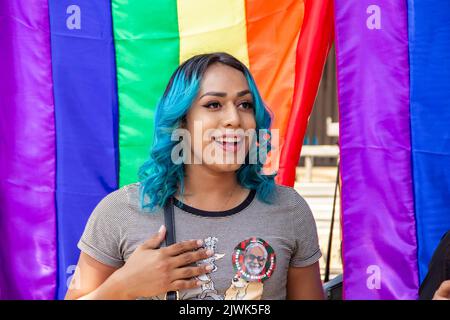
[(379, 234), (27, 153)]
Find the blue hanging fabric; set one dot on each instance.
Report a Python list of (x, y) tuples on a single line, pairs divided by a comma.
[(429, 51), (85, 94)]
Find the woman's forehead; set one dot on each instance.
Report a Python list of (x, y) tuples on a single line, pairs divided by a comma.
[(220, 77)]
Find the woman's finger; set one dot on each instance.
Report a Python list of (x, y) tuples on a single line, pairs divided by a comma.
[(181, 247), (190, 272), (184, 284), (188, 258)]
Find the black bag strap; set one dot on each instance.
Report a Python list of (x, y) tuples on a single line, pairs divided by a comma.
[(169, 221)]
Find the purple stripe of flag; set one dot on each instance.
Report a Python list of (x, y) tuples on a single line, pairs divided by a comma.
[(379, 235), (27, 153)]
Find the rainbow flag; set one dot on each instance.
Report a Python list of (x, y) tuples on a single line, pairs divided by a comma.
[(284, 51), (80, 81)]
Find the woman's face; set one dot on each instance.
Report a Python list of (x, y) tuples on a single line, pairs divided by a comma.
[(219, 119)]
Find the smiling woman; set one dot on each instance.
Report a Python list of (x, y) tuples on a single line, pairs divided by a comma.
[(214, 98), (254, 240)]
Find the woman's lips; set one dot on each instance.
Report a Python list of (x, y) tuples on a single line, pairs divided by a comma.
[(229, 146)]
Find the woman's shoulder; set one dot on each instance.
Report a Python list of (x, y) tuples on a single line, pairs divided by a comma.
[(120, 200), (131, 192), (302, 221), (121, 196), (288, 197), (127, 194), (120, 206)]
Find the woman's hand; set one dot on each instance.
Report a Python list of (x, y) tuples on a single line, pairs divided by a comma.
[(151, 271)]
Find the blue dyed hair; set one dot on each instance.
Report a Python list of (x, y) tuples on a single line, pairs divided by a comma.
[(159, 177)]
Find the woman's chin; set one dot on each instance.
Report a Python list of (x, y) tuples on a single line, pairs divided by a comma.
[(225, 167)]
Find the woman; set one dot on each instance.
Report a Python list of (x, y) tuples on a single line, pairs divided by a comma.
[(252, 239)]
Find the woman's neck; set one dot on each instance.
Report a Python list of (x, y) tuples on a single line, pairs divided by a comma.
[(211, 191)]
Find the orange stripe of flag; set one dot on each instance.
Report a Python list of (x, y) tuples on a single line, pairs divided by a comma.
[(273, 29)]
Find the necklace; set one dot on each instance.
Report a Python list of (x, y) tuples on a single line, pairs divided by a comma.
[(223, 206)]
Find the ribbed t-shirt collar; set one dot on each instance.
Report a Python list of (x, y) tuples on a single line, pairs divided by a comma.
[(204, 213)]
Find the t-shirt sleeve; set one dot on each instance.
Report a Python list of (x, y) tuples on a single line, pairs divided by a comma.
[(307, 249), (101, 236)]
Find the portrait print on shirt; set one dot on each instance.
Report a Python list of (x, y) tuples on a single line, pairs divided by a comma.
[(254, 261)]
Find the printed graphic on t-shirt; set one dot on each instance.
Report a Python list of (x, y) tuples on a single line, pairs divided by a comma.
[(207, 290), (254, 261)]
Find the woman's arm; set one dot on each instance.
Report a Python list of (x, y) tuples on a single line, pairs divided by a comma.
[(150, 271), (92, 280), (304, 283)]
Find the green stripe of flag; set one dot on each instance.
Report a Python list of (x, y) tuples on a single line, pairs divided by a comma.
[(147, 52)]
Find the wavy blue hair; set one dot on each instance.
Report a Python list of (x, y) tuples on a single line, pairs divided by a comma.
[(159, 177)]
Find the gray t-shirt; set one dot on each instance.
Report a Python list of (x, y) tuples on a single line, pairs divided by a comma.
[(254, 243)]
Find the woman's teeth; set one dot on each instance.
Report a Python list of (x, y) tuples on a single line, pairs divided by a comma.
[(228, 139), (229, 143)]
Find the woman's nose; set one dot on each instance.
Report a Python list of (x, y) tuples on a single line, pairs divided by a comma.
[(231, 117)]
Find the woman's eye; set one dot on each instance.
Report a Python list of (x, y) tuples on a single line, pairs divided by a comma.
[(213, 105), (246, 105)]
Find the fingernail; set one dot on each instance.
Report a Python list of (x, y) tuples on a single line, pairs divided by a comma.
[(209, 267), (199, 283), (161, 229), (199, 242), (209, 252)]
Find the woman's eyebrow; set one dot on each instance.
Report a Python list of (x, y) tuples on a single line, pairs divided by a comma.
[(213, 93), (242, 93), (224, 94)]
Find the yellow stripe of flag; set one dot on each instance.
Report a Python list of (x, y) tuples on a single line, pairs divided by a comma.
[(212, 25)]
